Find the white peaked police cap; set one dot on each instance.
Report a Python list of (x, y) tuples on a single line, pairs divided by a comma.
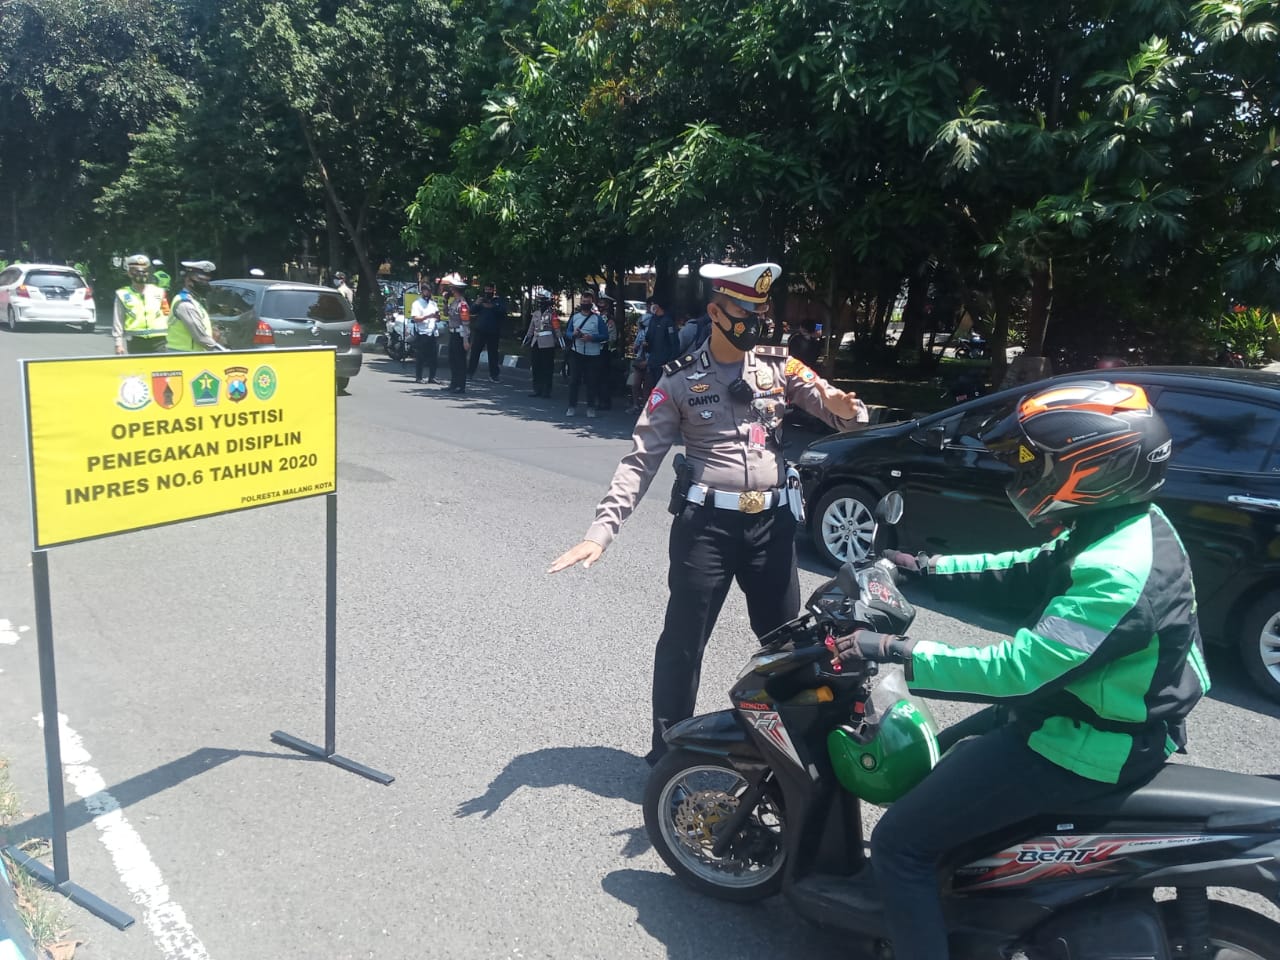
[(748, 285), (198, 266)]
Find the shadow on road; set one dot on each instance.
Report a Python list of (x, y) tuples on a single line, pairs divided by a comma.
[(604, 771), (144, 785), (693, 927)]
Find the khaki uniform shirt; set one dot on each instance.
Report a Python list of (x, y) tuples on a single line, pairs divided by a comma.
[(731, 445)]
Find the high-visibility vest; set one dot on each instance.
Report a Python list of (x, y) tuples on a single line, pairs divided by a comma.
[(146, 314), (180, 339)]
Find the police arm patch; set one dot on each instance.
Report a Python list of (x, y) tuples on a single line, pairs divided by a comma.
[(656, 399), (796, 368)]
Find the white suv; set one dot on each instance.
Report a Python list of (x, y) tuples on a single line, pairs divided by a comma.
[(45, 293)]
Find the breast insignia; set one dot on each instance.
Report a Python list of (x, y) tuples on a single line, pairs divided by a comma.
[(768, 350)]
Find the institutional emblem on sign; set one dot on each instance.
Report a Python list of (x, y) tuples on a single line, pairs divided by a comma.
[(237, 383), (134, 394), (264, 383), (204, 389), (166, 388)]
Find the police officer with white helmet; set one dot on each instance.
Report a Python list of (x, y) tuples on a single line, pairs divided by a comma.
[(736, 504)]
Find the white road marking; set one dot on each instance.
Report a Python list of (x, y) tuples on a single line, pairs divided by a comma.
[(9, 633), (163, 917)]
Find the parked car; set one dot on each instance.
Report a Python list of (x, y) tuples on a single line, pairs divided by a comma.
[(1222, 492), (46, 293), (255, 314)]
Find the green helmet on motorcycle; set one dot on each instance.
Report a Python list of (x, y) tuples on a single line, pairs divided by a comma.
[(883, 760)]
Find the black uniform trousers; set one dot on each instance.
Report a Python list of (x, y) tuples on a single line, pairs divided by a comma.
[(709, 549), (980, 787), (482, 340), (583, 369), (457, 363), (426, 353), (147, 345), (542, 362)]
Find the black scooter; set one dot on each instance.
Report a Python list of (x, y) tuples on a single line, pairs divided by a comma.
[(747, 805)]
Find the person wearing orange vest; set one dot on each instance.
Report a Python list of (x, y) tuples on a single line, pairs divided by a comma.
[(140, 320)]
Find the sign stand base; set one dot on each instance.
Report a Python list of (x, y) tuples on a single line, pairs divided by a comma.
[(293, 743), (59, 878), (328, 752), (72, 891)]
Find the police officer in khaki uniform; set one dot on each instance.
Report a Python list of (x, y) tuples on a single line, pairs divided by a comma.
[(734, 517)]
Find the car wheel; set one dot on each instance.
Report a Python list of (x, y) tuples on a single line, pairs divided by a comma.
[(1259, 642), (13, 320), (843, 524), (88, 326), (342, 384)]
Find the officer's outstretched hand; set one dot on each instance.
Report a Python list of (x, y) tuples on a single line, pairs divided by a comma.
[(585, 553), (844, 405)]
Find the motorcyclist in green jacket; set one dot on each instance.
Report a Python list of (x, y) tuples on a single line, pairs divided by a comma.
[(1098, 687)]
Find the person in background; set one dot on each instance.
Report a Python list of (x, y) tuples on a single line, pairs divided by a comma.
[(804, 344), (426, 334), (487, 315), (190, 329), (586, 334), (542, 338), (161, 276), (459, 312), (140, 317), (340, 284), (604, 367), (662, 341), (638, 374)]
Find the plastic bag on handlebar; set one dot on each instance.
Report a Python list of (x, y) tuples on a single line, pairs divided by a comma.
[(892, 689)]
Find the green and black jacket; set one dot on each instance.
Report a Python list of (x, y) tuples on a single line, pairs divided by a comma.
[(1113, 664)]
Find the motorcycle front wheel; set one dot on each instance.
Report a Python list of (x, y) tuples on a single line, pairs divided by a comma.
[(688, 796)]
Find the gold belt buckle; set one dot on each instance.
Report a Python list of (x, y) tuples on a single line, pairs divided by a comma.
[(751, 501)]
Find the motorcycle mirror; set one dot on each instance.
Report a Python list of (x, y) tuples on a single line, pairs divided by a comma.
[(847, 579), (889, 509)]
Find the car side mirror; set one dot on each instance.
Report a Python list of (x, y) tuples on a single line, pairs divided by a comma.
[(935, 438)]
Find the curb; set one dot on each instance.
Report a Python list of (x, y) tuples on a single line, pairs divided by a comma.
[(15, 943)]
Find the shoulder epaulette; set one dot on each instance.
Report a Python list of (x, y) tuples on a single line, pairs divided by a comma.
[(768, 350), (681, 363)]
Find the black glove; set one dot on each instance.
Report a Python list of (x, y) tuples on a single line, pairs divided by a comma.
[(869, 645), (913, 565)]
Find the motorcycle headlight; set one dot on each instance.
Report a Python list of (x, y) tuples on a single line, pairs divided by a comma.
[(810, 457)]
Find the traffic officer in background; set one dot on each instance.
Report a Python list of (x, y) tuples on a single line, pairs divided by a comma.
[(140, 317), (190, 329), (160, 275), (459, 313), (736, 503)]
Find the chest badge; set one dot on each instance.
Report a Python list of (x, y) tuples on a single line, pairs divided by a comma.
[(700, 387), (707, 414), (697, 376), (764, 378)]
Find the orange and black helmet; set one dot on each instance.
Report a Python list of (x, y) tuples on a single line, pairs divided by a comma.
[(1082, 445)]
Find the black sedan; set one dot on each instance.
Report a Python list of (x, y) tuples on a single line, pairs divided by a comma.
[(1222, 492)]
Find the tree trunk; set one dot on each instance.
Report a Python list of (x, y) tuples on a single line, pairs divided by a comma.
[(913, 315), (368, 274), (1003, 304), (1041, 305)]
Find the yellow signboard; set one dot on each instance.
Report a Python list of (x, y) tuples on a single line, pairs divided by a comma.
[(122, 443)]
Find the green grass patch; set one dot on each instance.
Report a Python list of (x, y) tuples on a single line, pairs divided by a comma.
[(41, 911)]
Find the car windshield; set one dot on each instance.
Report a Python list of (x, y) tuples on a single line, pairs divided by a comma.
[(44, 279), (306, 305)]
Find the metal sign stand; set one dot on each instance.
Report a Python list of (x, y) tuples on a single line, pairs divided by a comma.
[(60, 877), (327, 752)]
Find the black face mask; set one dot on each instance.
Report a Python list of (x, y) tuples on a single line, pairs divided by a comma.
[(749, 326), (200, 287)]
